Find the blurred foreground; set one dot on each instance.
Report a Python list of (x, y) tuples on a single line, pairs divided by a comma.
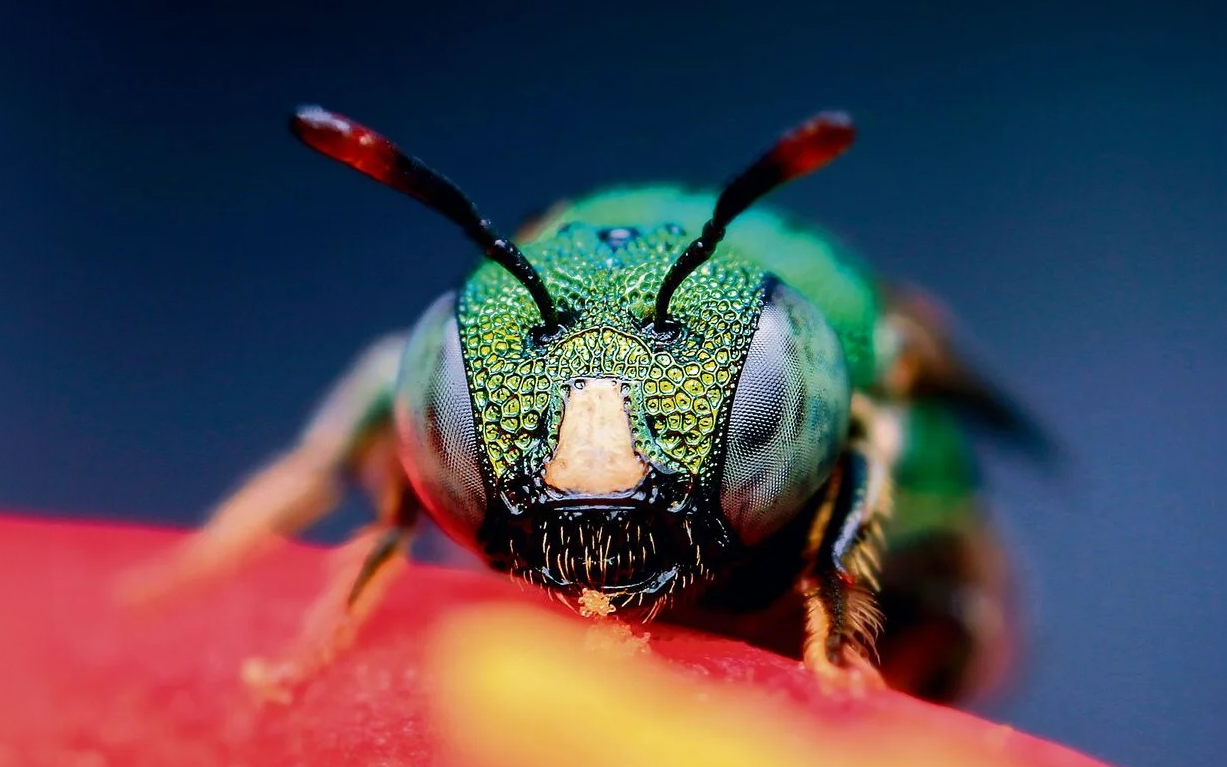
[(457, 667)]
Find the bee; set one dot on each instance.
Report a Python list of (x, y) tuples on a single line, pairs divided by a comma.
[(660, 404)]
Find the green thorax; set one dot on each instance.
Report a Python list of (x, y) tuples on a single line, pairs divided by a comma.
[(937, 479), (679, 390)]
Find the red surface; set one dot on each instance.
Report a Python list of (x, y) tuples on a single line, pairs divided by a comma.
[(83, 682)]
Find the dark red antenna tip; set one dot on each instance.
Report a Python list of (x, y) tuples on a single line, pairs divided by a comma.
[(799, 152), (369, 153), (347, 142), (814, 143)]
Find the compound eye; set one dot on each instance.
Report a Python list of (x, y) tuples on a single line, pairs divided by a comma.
[(789, 417), (434, 417)]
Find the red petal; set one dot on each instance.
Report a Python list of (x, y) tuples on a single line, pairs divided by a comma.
[(510, 682)]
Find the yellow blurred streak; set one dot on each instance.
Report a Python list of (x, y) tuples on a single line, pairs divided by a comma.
[(517, 686)]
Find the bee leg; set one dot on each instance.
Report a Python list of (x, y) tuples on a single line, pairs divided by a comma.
[(346, 435), (361, 571), (840, 583)]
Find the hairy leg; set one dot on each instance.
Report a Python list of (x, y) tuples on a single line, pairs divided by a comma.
[(292, 491), (843, 555), (360, 573), (349, 440)]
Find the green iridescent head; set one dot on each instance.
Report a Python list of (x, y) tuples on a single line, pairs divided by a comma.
[(605, 283), (615, 408)]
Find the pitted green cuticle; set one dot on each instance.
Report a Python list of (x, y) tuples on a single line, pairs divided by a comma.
[(678, 388)]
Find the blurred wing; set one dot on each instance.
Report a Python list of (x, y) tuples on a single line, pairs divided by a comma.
[(930, 365)]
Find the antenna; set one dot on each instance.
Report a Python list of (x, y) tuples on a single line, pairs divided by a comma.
[(371, 154), (799, 152)]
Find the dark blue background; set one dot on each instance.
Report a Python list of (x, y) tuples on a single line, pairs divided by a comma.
[(180, 279)]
